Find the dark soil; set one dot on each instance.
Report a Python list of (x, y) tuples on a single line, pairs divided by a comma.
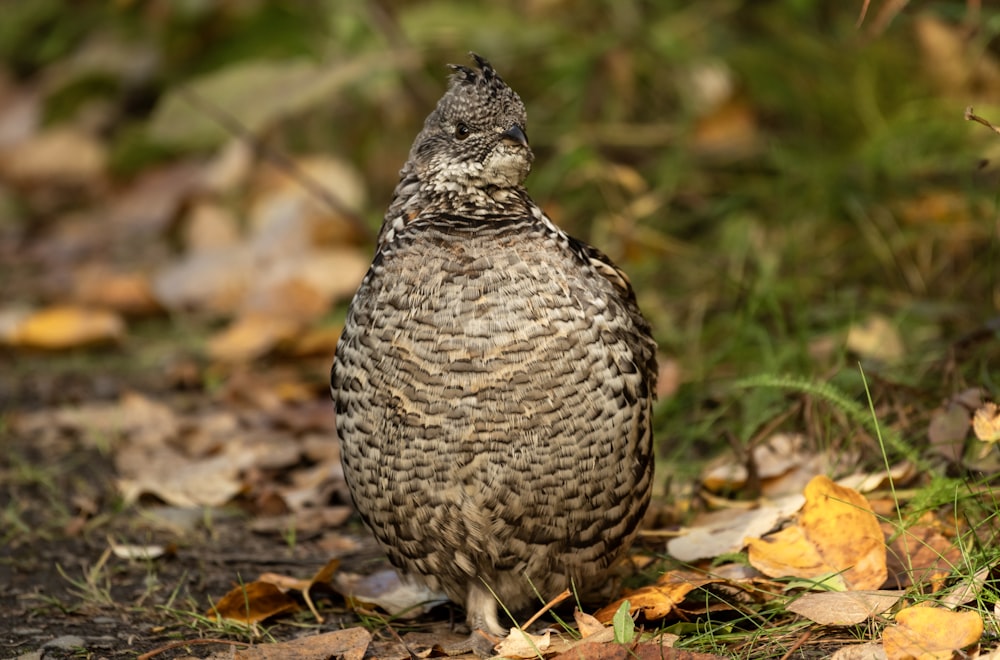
[(63, 594)]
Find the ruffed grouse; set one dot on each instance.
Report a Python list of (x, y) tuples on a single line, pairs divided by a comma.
[(495, 378)]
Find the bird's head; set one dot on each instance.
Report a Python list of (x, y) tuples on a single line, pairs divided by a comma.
[(475, 138)]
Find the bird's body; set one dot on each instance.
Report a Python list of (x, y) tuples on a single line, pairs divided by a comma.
[(494, 380)]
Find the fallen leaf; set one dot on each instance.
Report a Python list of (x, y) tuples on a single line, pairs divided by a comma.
[(386, 590), (252, 603), (67, 326), (208, 225), (843, 608), (655, 650), (869, 651), (877, 338), (250, 337), (587, 624), (140, 552), (837, 540), (215, 281), (967, 590), (59, 156), (347, 644), (920, 555), (986, 422), (256, 93), (520, 644), (930, 632), (130, 293), (658, 600), (720, 532), (285, 582)]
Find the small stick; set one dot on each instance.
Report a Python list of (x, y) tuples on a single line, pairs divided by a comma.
[(548, 606), (972, 116)]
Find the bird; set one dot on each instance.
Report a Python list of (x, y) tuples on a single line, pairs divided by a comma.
[(494, 380)]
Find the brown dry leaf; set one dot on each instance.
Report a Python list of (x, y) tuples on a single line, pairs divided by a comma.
[(587, 624), (843, 608), (315, 342), (953, 61), (212, 280), (148, 206), (869, 651), (930, 632), (941, 207), (654, 650), (719, 532), (658, 600), (176, 478), (252, 603), (20, 111), (251, 336), (948, 430), (967, 590), (520, 644), (208, 225), (775, 457), (877, 338), (386, 590), (288, 583), (67, 326), (278, 195), (837, 539), (58, 156), (921, 555), (129, 293), (729, 131), (986, 422), (348, 644), (784, 464)]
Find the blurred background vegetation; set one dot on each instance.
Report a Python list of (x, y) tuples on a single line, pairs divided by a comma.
[(790, 183)]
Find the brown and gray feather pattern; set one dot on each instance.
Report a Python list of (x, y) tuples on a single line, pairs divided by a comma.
[(495, 378)]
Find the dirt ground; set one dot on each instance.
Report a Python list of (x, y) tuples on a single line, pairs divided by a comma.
[(63, 594)]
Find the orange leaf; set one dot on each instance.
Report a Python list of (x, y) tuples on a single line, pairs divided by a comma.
[(930, 632), (837, 535), (658, 600), (68, 326), (252, 603)]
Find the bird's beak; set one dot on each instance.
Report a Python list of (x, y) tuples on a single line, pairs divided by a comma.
[(515, 134)]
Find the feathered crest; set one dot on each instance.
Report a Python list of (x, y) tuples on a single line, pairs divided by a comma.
[(484, 74)]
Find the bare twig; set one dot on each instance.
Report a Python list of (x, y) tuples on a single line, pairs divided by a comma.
[(972, 116)]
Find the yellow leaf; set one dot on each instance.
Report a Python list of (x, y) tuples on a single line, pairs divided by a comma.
[(986, 423), (658, 600), (837, 538), (66, 327), (930, 632), (252, 603)]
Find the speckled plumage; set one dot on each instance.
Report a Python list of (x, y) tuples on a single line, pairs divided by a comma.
[(494, 380)]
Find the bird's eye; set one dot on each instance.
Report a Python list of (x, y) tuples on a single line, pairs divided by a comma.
[(462, 130)]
